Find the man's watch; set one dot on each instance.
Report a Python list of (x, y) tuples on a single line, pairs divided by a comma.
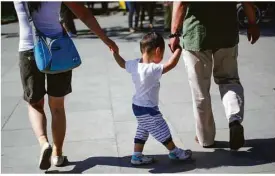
[(176, 34)]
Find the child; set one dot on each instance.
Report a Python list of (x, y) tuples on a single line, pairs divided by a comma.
[(146, 73)]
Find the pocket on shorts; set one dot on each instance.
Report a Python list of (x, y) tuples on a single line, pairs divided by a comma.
[(33, 81), (26, 61)]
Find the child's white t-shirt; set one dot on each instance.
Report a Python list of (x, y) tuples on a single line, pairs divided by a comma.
[(146, 79)]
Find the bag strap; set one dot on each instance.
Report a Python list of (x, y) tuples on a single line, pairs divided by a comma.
[(27, 11), (37, 31)]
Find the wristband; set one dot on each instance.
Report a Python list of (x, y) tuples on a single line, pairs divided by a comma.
[(176, 34)]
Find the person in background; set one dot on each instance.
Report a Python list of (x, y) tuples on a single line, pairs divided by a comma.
[(134, 9), (122, 7), (67, 20), (168, 7), (149, 7)]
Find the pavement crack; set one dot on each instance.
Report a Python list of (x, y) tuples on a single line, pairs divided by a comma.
[(10, 115)]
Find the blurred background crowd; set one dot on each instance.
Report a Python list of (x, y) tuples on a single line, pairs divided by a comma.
[(141, 15)]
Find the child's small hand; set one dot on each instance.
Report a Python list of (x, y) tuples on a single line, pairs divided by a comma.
[(177, 47)]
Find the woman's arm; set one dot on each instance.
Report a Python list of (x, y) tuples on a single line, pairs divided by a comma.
[(25, 28), (88, 18)]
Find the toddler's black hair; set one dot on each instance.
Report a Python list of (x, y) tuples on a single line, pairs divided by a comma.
[(151, 41)]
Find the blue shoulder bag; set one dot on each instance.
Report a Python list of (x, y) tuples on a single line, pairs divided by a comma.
[(56, 54)]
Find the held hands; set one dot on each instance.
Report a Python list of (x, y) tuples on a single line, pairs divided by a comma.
[(112, 45), (118, 58), (253, 33), (113, 51), (177, 48), (174, 44)]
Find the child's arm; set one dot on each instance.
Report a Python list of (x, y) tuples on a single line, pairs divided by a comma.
[(173, 61), (119, 60)]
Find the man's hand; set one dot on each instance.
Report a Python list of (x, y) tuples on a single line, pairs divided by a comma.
[(253, 33), (174, 43), (179, 11)]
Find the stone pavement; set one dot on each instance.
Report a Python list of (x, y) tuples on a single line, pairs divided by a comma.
[(100, 123)]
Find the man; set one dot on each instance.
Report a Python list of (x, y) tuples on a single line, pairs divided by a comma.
[(210, 34)]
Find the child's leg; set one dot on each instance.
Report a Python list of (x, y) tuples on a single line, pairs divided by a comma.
[(138, 148), (159, 129), (170, 145), (176, 153), (140, 139)]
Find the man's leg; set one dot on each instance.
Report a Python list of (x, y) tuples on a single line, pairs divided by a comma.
[(199, 69), (227, 77)]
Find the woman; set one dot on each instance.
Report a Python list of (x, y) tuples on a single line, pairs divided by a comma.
[(46, 18)]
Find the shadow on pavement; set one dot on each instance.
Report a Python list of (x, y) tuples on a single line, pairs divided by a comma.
[(9, 35), (261, 152), (119, 32)]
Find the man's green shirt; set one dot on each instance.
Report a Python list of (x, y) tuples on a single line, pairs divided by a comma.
[(210, 25)]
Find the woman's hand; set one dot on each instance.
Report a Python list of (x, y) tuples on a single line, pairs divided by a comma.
[(112, 45), (88, 18)]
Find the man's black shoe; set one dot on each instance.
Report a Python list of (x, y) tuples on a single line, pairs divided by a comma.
[(236, 135)]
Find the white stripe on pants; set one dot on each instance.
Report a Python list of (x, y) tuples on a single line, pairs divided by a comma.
[(154, 125), (225, 71)]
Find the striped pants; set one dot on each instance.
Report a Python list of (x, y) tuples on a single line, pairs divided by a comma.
[(150, 121)]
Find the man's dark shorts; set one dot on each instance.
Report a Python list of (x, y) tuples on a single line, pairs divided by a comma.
[(33, 81)]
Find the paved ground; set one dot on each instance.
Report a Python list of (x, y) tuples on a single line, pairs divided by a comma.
[(100, 122)]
